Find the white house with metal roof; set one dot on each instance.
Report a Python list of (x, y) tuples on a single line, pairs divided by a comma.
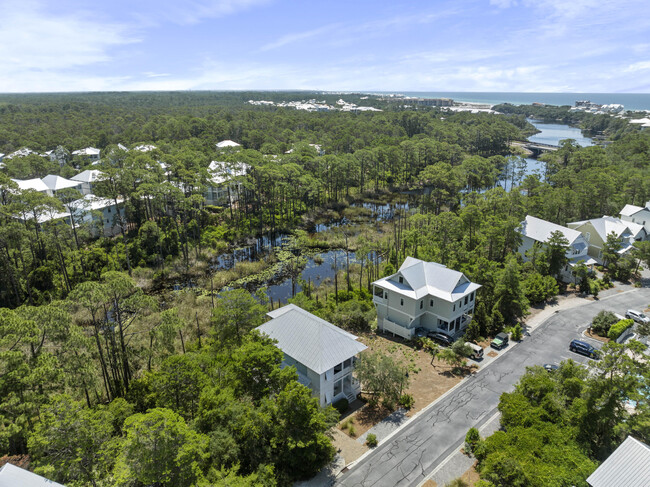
[(36, 184), (637, 214), (12, 476), (87, 178), (89, 153), (535, 230), (424, 294), (102, 211), (225, 183), (56, 183), (596, 231), (323, 354), (627, 466)]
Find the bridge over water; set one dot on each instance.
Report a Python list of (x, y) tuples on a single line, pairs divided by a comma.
[(538, 148)]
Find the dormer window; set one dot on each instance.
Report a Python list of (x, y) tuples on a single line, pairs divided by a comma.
[(401, 280)]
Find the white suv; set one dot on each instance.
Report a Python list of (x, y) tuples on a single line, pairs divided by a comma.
[(637, 316)]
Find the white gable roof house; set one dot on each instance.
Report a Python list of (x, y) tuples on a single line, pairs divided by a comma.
[(322, 353), (89, 152), (86, 179), (224, 144), (637, 214), (36, 184), (596, 230), (424, 295), (222, 188), (534, 229)]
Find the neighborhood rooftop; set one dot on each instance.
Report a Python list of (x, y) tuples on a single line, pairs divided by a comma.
[(430, 278), (56, 183), (541, 230), (629, 210), (608, 224), (310, 340), (628, 466), (87, 176)]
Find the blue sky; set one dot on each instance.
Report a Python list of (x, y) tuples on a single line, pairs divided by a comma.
[(461, 45)]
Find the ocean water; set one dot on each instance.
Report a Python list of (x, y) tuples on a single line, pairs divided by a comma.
[(631, 101)]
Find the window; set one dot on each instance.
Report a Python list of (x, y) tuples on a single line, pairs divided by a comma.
[(347, 363), (109, 209), (401, 302), (338, 387), (338, 368), (379, 292), (442, 324), (587, 236), (466, 299), (431, 303), (421, 304), (454, 306), (471, 297), (401, 280)]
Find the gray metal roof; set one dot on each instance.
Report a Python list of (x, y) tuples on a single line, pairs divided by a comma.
[(608, 224), (428, 279), (310, 340), (12, 476), (541, 230), (628, 466)]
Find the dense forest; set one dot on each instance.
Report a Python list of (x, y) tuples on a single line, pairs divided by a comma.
[(102, 361)]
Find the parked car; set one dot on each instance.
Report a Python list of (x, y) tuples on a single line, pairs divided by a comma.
[(583, 348), (477, 351), (441, 338), (637, 316), (420, 332), (551, 367), (500, 341)]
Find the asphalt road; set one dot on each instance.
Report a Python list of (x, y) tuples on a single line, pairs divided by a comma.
[(407, 458)]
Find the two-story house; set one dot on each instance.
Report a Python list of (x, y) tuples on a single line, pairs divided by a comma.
[(596, 230), (424, 294), (638, 215), (323, 354), (87, 179), (226, 182), (535, 230)]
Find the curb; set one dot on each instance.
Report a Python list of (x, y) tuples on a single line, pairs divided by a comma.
[(352, 464)]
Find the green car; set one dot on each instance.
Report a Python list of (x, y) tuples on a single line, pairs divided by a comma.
[(500, 341)]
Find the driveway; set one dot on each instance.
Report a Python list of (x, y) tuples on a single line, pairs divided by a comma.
[(408, 457)]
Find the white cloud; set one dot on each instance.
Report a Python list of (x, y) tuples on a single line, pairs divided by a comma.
[(187, 12), (638, 66), (298, 36), (36, 39)]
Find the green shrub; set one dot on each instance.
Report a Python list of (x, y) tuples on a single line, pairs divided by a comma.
[(516, 332), (471, 439), (351, 431), (406, 401), (341, 405), (602, 322), (371, 440), (618, 328)]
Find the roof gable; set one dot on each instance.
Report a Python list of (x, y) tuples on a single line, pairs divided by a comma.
[(541, 230), (310, 340)]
